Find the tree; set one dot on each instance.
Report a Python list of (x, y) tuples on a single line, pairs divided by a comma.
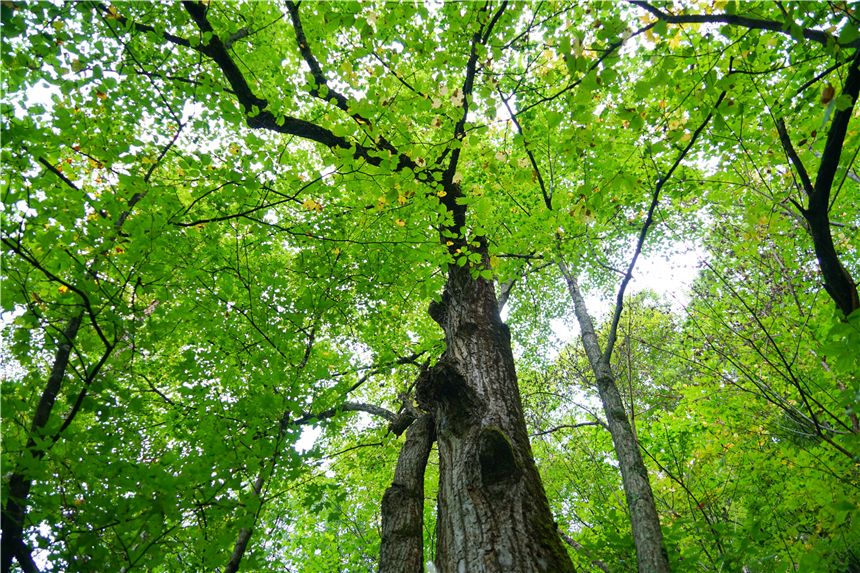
[(231, 222), (493, 514)]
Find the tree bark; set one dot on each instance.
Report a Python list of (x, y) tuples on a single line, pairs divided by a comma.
[(493, 515), (645, 522), (402, 549)]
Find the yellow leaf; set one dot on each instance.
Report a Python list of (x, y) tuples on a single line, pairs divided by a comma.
[(827, 94), (63, 289), (400, 223), (312, 205)]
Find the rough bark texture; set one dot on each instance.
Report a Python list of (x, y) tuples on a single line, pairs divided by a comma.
[(647, 535), (402, 549), (493, 515)]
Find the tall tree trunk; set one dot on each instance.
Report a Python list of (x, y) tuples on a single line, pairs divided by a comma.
[(493, 515), (402, 549), (645, 522)]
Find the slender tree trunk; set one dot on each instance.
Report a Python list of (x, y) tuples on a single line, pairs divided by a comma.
[(645, 522), (402, 549), (493, 515), (647, 535), (20, 483)]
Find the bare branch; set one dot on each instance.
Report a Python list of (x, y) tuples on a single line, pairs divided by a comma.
[(569, 427), (752, 23)]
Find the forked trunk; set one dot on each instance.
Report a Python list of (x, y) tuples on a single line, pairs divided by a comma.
[(493, 514), (402, 549)]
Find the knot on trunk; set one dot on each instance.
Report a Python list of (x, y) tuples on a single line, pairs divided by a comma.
[(496, 456), (443, 391), (437, 310)]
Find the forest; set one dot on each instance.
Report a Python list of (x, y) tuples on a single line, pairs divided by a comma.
[(490, 286)]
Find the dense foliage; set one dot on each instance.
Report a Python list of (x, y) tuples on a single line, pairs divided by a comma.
[(221, 233)]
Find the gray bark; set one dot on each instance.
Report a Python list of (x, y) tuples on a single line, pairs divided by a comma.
[(647, 535), (493, 515), (402, 549)]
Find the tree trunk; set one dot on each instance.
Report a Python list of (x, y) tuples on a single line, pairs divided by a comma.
[(15, 512), (647, 535), (645, 522), (493, 515), (402, 549)]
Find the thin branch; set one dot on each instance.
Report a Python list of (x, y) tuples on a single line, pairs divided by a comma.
[(547, 197), (819, 77), (110, 12), (30, 259), (569, 427), (58, 173), (608, 51), (247, 212), (70, 417), (330, 94), (346, 407), (649, 219)]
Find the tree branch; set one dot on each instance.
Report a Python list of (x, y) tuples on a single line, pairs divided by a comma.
[(259, 117), (649, 219), (595, 65), (578, 547), (836, 138), (346, 407), (837, 280), (733, 19), (785, 140), (110, 12), (58, 173), (568, 427)]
